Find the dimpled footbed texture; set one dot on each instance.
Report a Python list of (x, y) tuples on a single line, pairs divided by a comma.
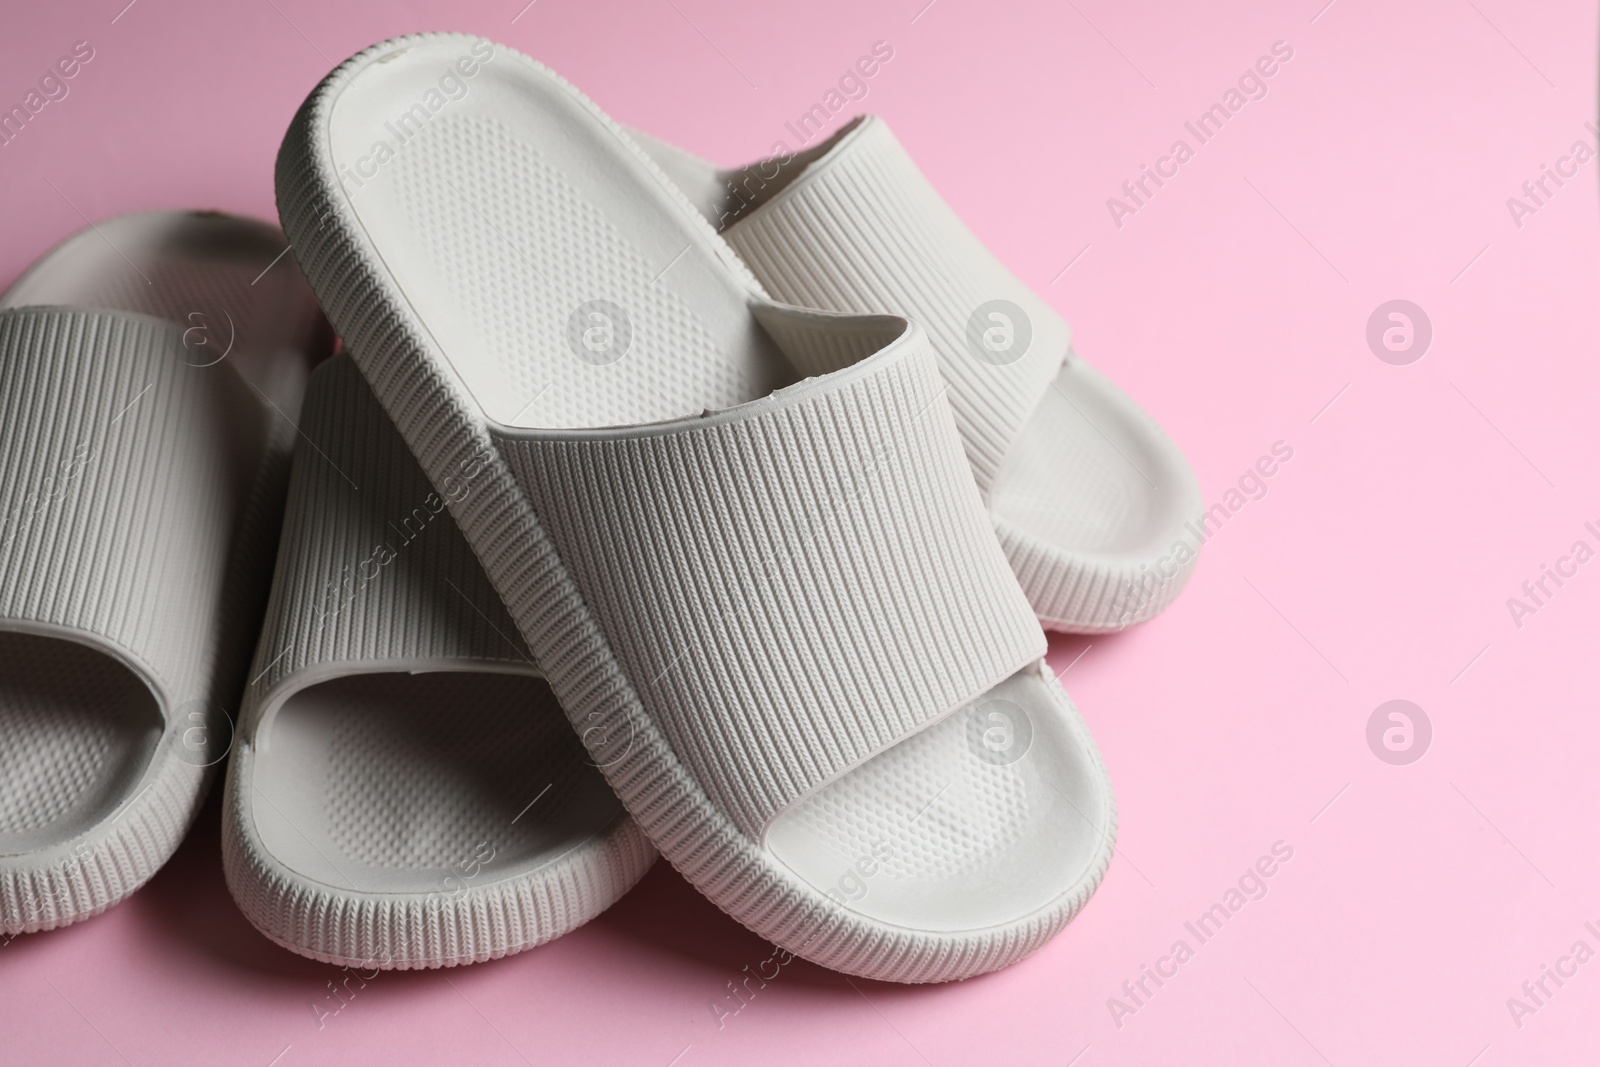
[(391, 780), (76, 729), (967, 829), (1085, 472), (405, 789), (89, 762), (512, 207), (520, 311)]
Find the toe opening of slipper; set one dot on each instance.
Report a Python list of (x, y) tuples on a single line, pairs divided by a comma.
[(427, 783), (1092, 474), (985, 818), (78, 729)]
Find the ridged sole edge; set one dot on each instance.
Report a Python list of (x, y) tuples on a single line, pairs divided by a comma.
[(439, 423)]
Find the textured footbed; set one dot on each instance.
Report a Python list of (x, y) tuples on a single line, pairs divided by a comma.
[(77, 729), (405, 791), (1087, 474), (504, 215), (505, 257), (980, 818), (423, 783), (83, 737), (1091, 478)]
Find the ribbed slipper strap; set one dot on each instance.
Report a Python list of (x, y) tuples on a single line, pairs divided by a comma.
[(862, 230), (119, 505), (792, 585), (371, 568), (128, 476)]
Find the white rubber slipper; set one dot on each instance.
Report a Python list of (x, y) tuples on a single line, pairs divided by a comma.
[(405, 792), (147, 389), (1089, 496), (774, 609)]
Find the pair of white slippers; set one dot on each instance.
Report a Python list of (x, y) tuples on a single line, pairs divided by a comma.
[(600, 542)]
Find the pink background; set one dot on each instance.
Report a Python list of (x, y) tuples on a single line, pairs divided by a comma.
[(1234, 306)]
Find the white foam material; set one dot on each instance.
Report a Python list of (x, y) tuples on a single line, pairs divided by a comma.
[(661, 564), (144, 464), (1088, 494), (405, 791)]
